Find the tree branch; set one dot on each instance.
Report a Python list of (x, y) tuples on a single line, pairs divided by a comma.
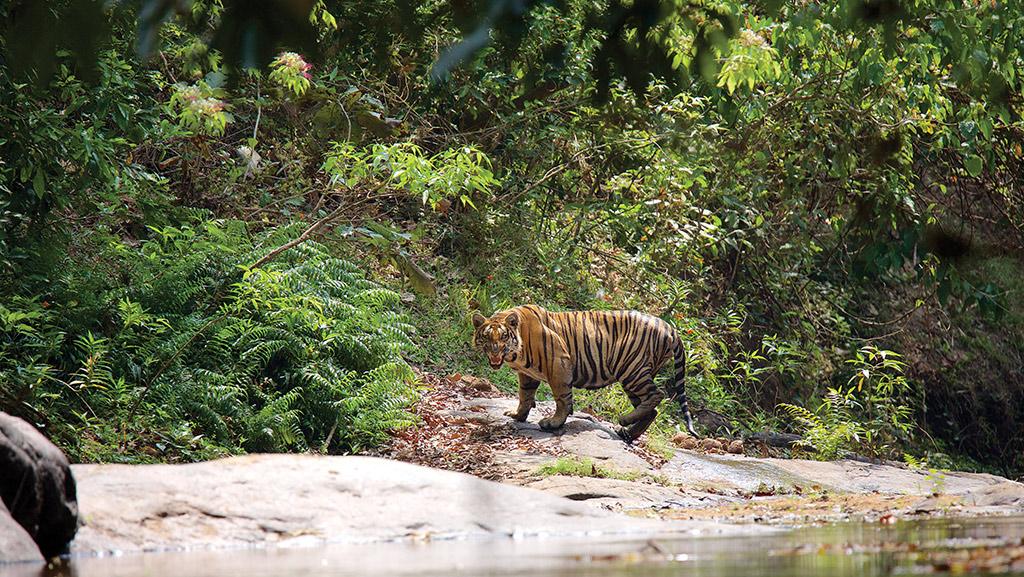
[(306, 234)]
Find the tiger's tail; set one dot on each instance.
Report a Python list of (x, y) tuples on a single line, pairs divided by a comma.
[(678, 386)]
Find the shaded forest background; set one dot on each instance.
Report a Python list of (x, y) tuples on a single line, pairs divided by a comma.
[(233, 226)]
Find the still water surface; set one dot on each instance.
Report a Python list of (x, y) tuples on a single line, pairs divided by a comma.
[(843, 550)]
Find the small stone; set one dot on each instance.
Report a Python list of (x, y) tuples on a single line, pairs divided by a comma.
[(478, 384), (710, 444), (679, 438), (736, 447), (684, 440)]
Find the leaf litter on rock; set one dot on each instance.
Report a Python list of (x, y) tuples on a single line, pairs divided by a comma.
[(463, 445)]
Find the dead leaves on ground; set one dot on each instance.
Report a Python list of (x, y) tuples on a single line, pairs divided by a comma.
[(448, 438)]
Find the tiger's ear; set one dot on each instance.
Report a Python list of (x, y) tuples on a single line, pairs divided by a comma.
[(478, 319), (512, 320)]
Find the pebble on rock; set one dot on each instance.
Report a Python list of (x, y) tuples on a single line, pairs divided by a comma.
[(711, 445), (684, 441)]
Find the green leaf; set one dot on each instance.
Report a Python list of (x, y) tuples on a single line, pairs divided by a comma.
[(39, 183), (974, 164)]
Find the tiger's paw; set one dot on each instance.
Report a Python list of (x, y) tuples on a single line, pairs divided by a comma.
[(516, 416), (623, 434), (550, 425)]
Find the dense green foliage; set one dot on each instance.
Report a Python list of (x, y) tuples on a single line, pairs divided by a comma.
[(866, 415), (166, 348), (797, 187)]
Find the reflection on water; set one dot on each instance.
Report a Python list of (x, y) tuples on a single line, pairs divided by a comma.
[(854, 550)]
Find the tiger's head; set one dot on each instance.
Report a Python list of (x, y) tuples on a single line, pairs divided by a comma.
[(498, 337)]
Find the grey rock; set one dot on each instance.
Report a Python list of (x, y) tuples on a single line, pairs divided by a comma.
[(460, 417), (261, 500), (731, 473), (16, 545), (860, 477), (615, 493), (37, 485), (713, 479), (1007, 495), (739, 473)]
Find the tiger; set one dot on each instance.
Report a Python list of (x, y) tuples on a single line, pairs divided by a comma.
[(589, 350)]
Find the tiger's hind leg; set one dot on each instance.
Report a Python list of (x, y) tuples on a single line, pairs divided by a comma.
[(633, 432), (643, 394), (645, 397)]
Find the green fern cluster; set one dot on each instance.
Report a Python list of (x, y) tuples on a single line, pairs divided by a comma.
[(832, 431), (869, 415), (189, 353)]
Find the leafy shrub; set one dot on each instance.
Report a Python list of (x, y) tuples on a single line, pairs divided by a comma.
[(751, 61), (291, 72), (200, 108), (879, 381), (868, 415), (456, 173), (831, 430), (303, 353)]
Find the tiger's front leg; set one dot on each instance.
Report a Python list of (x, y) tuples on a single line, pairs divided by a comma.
[(527, 398), (563, 405)]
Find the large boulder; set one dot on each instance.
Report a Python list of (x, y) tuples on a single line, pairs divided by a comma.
[(16, 545), (37, 486)]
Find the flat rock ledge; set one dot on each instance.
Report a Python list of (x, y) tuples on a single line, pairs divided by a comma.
[(304, 500), (692, 479), (743, 474)]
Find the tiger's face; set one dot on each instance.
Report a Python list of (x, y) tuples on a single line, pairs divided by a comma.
[(498, 338)]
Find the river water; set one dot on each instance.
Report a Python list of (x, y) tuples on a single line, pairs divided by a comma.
[(840, 550)]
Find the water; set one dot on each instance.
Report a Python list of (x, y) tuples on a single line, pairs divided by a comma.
[(841, 550)]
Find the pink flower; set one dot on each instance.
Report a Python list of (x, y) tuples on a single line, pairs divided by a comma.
[(293, 61), (207, 106), (288, 66), (190, 93)]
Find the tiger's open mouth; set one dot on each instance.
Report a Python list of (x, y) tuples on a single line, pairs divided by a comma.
[(496, 362)]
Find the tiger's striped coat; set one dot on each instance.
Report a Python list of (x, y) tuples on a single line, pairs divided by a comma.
[(585, 349)]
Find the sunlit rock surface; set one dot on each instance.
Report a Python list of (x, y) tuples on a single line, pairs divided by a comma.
[(260, 500)]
